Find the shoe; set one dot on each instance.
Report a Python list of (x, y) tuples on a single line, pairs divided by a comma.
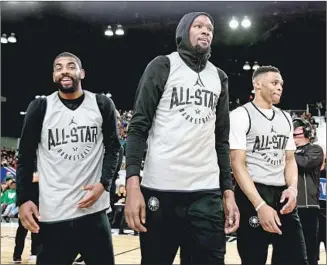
[(80, 260), (17, 260), (32, 258)]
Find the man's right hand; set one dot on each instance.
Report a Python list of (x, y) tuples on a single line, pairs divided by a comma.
[(26, 211), (269, 219), (135, 205)]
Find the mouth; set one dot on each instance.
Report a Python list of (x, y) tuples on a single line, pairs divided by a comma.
[(66, 81), (205, 41)]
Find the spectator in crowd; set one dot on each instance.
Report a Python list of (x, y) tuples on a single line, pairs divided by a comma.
[(8, 202), (309, 158), (8, 157)]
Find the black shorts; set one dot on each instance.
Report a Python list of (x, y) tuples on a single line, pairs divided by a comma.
[(253, 241), (193, 221), (89, 236)]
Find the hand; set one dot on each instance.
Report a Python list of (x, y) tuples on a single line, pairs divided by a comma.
[(269, 219), (135, 207), (289, 194), (26, 211), (232, 214), (94, 191)]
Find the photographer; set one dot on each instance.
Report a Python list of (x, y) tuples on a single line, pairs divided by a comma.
[(309, 158)]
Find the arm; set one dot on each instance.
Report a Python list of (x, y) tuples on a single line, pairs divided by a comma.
[(291, 173), (147, 98), (311, 157), (243, 178), (110, 140), (30, 137), (222, 135), (239, 126)]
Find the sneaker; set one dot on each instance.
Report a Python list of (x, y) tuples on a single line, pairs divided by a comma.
[(32, 258), (80, 260), (17, 260)]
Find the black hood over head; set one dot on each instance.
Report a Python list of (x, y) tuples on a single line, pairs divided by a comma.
[(193, 58)]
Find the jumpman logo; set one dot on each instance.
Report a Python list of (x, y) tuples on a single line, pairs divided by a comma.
[(72, 121), (272, 129), (199, 82)]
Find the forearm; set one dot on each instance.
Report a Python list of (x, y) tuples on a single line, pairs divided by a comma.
[(25, 169), (246, 184), (225, 179), (110, 162), (291, 173), (134, 154)]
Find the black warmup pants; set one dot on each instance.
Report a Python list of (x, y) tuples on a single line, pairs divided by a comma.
[(252, 241), (21, 234), (89, 235), (310, 224), (193, 221)]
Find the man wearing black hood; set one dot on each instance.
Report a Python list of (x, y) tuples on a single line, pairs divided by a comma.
[(182, 112)]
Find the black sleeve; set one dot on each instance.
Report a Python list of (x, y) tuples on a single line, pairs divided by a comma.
[(147, 98), (311, 157), (29, 140), (222, 134), (110, 140)]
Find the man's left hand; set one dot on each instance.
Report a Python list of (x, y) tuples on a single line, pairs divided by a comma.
[(232, 214), (94, 191), (290, 194)]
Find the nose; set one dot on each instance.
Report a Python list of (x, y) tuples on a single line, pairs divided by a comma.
[(205, 31)]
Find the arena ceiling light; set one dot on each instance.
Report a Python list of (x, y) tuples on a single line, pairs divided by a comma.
[(4, 39), (119, 31), (233, 24), (255, 66), (12, 38), (246, 66), (246, 23), (109, 31), (22, 113)]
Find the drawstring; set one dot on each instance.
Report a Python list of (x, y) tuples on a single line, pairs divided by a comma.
[(199, 66)]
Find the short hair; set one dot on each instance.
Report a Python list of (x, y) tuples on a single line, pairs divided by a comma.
[(68, 54), (264, 69)]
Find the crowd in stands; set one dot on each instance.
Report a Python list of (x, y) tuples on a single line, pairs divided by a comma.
[(8, 157)]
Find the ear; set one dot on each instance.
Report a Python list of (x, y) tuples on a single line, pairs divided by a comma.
[(82, 74), (256, 84), (53, 77)]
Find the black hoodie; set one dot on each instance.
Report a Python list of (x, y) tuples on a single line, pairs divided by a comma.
[(148, 95)]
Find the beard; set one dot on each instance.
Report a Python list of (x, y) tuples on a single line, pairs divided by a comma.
[(201, 50), (67, 89)]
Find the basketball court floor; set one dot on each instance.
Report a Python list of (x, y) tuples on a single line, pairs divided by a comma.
[(126, 248)]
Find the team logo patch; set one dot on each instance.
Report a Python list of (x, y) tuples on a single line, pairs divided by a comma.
[(254, 221), (153, 204)]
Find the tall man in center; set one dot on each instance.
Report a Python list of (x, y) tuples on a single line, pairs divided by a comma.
[(182, 112)]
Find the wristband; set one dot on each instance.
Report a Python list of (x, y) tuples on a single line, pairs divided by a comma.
[(260, 205)]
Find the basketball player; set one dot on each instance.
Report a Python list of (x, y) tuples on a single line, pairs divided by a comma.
[(309, 158), (75, 135), (182, 108), (263, 163)]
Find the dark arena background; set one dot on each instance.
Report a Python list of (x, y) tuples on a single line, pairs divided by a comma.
[(115, 42)]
